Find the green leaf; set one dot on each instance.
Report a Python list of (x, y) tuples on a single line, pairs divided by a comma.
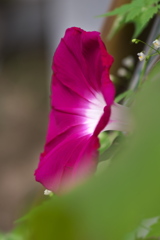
[(123, 95), (138, 12), (106, 140), (110, 152), (135, 10), (142, 19)]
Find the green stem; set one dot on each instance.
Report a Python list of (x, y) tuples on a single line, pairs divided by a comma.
[(142, 73), (144, 68), (149, 46), (153, 55)]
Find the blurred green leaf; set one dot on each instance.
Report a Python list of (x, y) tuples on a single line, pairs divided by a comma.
[(155, 230), (143, 230), (10, 236), (154, 74), (109, 152), (117, 25), (123, 95), (106, 140), (112, 204)]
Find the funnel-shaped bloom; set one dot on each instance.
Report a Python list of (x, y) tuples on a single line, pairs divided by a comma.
[(81, 107)]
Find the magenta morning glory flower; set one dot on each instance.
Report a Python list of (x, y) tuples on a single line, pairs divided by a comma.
[(82, 105)]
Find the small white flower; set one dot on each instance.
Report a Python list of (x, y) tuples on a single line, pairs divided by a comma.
[(47, 192), (156, 44), (141, 56), (122, 72), (128, 61)]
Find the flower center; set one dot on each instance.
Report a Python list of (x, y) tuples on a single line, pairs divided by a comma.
[(94, 112)]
